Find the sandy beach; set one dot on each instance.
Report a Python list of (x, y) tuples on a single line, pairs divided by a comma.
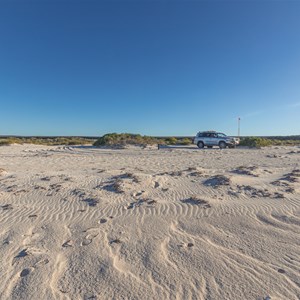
[(175, 223)]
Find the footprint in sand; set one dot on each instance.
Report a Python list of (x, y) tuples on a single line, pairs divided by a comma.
[(86, 242), (22, 253), (281, 271), (138, 194), (188, 245), (68, 244), (25, 272), (116, 241), (42, 262), (151, 202), (156, 185), (88, 239), (26, 252), (7, 241), (32, 216), (7, 207)]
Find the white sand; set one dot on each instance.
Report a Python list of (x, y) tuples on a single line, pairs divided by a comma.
[(84, 223)]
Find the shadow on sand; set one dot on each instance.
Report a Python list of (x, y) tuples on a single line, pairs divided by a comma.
[(159, 147), (186, 147)]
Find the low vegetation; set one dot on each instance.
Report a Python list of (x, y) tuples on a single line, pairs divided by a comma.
[(46, 141), (257, 142), (171, 141), (115, 139), (178, 141), (185, 141)]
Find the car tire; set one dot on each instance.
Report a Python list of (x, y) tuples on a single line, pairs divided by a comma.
[(222, 145), (200, 145)]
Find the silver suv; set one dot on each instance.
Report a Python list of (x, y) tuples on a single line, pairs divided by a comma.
[(213, 138)]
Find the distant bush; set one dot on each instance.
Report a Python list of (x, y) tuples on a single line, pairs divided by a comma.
[(255, 142), (185, 141), (175, 141), (4, 142), (9, 141), (171, 141), (285, 142), (115, 139), (46, 141)]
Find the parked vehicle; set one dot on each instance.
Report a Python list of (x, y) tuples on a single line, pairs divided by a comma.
[(213, 138)]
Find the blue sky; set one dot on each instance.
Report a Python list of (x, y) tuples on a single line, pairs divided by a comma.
[(149, 67)]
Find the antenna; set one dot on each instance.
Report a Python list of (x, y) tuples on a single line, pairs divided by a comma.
[(239, 126)]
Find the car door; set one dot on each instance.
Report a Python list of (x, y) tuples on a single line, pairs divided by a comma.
[(220, 137), (209, 139), (214, 139)]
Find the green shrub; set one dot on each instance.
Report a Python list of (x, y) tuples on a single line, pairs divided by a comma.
[(185, 141), (171, 141), (255, 142), (114, 139), (46, 141), (9, 141), (4, 142)]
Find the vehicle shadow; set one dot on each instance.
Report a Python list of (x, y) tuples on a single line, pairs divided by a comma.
[(82, 146), (186, 147), (90, 147), (159, 147)]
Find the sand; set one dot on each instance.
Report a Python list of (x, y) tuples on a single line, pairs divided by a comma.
[(180, 223)]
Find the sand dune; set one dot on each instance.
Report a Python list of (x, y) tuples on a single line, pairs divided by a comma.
[(87, 223)]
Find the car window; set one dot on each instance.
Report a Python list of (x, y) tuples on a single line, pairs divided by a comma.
[(221, 135)]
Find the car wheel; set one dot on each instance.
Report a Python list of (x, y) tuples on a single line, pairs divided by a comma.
[(200, 145), (222, 145)]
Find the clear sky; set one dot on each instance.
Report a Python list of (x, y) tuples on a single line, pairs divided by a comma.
[(150, 67)]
